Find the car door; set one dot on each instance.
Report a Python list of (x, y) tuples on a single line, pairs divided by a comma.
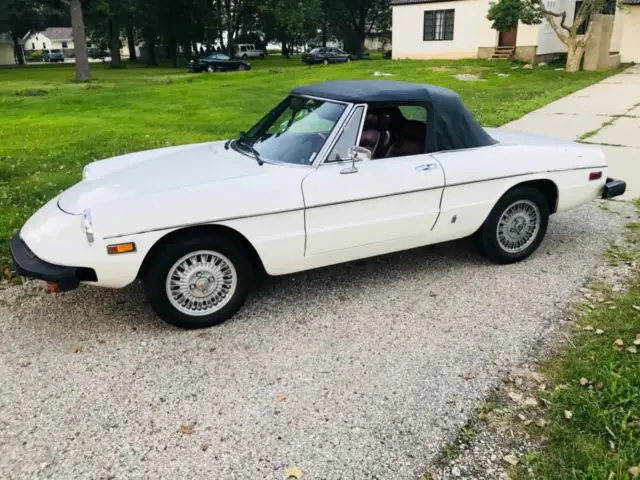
[(385, 200)]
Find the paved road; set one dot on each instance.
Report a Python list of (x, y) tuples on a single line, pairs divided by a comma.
[(608, 113), (359, 371)]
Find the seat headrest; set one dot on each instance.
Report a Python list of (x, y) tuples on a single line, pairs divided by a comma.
[(384, 122), (371, 121)]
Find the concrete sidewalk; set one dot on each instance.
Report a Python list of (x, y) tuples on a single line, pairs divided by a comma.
[(608, 114)]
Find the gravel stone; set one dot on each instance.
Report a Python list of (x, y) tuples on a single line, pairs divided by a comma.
[(357, 371)]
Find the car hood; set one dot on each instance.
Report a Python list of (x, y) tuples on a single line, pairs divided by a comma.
[(143, 173)]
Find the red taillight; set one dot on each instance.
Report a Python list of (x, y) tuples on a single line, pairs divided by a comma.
[(595, 176)]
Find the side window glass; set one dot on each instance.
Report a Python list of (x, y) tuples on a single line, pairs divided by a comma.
[(410, 132), (412, 112), (348, 138)]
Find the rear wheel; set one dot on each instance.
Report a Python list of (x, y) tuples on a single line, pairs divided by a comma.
[(515, 227), (198, 282), (326, 61), (245, 57)]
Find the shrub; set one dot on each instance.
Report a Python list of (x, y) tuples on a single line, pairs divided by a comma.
[(34, 56)]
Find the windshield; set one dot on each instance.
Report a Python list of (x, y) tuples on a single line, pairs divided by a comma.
[(295, 131), (317, 50)]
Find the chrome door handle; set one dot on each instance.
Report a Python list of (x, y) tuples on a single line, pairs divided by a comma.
[(426, 167)]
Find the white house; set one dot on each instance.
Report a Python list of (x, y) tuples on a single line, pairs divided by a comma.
[(6, 50), (60, 38), (460, 29)]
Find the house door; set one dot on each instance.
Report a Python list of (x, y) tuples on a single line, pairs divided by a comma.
[(508, 39)]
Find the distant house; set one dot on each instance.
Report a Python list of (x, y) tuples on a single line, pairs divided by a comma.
[(460, 29), (6, 50), (53, 38), (61, 38)]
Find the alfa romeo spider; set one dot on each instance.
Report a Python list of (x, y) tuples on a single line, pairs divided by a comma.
[(337, 171)]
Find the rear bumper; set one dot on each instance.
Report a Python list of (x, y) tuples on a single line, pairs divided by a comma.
[(613, 188), (29, 265)]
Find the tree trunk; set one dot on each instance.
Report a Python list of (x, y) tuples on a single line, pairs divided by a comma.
[(574, 56), (186, 50), (324, 35), (114, 42), (131, 41), (150, 46), (18, 53), (173, 52), (361, 36), (79, 41)]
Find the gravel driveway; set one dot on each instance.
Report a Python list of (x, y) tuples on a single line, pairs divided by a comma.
[(360, 371)]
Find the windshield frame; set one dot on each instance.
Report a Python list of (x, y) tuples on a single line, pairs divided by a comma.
[(328, 144)]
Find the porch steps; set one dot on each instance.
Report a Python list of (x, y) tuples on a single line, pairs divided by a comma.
[(502, 53)]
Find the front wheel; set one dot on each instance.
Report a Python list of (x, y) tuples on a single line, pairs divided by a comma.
[(515, 227), (198, 282)]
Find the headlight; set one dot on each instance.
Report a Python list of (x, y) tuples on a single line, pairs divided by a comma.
[(87, 225), (85, 172)]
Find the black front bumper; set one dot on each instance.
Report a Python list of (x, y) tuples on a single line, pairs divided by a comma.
[(613, 188), (28, 265)]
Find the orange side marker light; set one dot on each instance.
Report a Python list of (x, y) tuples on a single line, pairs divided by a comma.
[(121, 248)]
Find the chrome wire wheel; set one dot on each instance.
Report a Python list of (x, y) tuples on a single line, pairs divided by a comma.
[(518, 226), (201, 283)]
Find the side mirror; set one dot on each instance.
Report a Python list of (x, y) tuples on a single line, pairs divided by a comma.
[(359, 154)]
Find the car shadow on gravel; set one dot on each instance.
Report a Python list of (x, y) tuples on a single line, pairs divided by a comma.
[(302, 294)]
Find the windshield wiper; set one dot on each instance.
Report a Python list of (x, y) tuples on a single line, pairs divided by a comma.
[(255, 153)]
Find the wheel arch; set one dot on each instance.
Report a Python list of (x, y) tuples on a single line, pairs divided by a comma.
[(212, 230), (547, 187)]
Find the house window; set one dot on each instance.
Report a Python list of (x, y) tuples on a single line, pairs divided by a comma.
[(88, 44), (44, 46), (551, 6), (33, 45), (608, 8), (64, 45), (438, 25)]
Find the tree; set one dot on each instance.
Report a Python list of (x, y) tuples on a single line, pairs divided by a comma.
[(357, 19), (504, 13), (19, 17), (83, 73), (235, 15), (291, 22)]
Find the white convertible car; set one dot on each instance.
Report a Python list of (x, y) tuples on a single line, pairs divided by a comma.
[(337, 171)]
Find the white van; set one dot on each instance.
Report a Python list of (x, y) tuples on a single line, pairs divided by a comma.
[(247, 51)]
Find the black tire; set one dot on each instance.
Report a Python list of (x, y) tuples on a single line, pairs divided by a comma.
[(245, 57), (211, 69), (262, 56), (487, 237), (155, 279)]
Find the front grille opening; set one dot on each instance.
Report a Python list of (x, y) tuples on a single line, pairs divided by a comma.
[(86, 274)]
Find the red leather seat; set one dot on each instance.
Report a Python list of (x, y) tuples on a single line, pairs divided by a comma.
[(413, 136), (375, 134)]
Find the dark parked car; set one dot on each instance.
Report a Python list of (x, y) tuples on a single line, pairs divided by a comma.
[(217, 62), (52, 56), (326, 56)]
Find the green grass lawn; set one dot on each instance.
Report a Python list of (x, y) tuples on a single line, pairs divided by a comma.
[(51, 126)]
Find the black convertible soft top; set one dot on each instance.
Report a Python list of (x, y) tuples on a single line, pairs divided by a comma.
[(450, 125)]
